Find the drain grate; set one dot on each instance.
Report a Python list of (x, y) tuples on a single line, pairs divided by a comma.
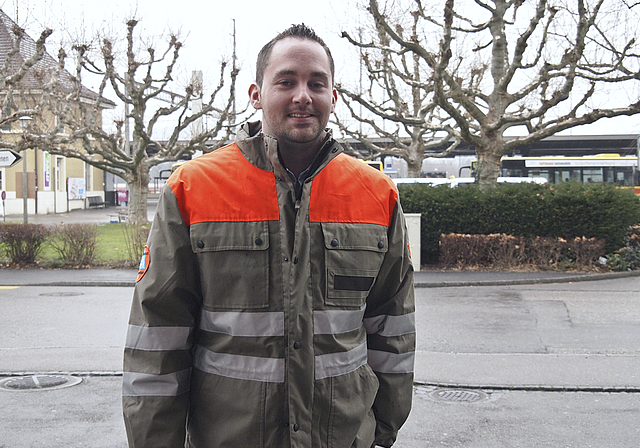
[(458, 395), (39, 382)]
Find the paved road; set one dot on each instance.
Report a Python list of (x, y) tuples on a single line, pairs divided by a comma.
[(522, 352)]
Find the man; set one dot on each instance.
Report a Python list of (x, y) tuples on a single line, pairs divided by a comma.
[(274, 304)]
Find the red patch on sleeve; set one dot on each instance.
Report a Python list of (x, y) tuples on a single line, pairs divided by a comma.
[(144, 263)]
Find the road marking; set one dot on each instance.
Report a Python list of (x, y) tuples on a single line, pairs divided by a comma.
[(9, 287)]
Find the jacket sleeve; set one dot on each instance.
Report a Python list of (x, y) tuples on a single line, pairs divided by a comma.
[(390, 323), (157, 356)]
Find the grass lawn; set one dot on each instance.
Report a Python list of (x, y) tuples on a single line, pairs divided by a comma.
[(111, 247)]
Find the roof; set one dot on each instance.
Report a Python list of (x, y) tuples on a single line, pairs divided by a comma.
[(42, 71)]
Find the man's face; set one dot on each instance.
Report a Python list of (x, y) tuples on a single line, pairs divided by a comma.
[(297, 95)]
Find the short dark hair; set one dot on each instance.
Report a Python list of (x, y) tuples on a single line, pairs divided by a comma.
[(300, 31)]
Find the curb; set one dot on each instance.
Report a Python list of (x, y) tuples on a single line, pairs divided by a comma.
[(529, 281), (115, 283), (417, 284)]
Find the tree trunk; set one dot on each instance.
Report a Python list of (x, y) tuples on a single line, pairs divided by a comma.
[(488, 168), (138, 192), (414, 157)]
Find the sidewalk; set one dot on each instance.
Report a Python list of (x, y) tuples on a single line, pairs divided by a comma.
[(422, 279), (81, 216)]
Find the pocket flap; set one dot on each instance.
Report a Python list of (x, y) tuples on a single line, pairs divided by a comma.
[(220, 236), (345, 236)]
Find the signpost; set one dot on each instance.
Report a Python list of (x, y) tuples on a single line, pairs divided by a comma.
[(8, 158), (4, 213)]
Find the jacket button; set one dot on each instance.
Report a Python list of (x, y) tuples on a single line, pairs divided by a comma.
[(296, 427), (296, 345), (201, 244), (286, 259), (258, 241), (334, 242), (381, 245)]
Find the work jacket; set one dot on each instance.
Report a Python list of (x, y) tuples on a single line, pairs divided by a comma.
[(262, 318)]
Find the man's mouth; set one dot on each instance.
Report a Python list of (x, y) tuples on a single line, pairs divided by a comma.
[(300, 115)]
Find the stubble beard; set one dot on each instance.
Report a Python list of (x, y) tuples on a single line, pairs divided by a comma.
[(298, 136)]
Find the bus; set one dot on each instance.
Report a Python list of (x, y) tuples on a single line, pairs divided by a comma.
[(610, 168)]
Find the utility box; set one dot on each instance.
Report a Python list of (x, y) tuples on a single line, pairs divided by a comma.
[(413, 229)]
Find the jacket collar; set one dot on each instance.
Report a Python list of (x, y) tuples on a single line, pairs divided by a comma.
[(262, 150)]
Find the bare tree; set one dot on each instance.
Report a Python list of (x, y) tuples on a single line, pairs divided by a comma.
[(396, 104), (536, 68), (20, 94), (146, 76)]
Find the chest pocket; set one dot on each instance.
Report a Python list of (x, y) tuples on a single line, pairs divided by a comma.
[(234, 264), (353, 255)]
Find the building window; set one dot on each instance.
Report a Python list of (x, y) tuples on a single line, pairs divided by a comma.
[(88, 169), (59, 176)]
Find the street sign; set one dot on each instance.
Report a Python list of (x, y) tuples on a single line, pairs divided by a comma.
[(8, 158)]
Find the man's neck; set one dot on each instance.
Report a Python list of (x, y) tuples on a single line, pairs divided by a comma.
[(298, 157), (296, 161)]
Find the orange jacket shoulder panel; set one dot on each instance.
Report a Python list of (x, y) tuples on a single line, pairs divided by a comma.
[(347, 190), (223, 186)]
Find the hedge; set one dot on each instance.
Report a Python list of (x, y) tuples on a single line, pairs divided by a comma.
[(569, 210)]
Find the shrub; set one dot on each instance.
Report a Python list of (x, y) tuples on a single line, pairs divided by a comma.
[(23, 242), (627, 258), (507, 251), (569, 210), (75, 243), (135, 237)]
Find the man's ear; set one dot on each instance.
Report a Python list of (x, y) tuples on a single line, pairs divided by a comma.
[(254, 96), (334, 100)]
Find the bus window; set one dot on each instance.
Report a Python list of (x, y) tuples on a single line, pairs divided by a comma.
[(591, 175), (512, 172), (608, 175), (541, 173), (575, 175), (569, 175), (557, 176), (624, 177)]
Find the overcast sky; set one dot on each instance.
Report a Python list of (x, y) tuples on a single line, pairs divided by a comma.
[(206, 29)]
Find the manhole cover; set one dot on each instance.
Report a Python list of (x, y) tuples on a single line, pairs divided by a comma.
[(61, 294), (458, 395), (39, 382)]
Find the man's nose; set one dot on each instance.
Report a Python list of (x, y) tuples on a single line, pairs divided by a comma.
[(302, 95)]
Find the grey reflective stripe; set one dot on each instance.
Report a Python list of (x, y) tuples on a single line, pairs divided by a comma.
[(136, 384), (337, 321), (253, 368), (385, 362), (390, 326), (157, 338), (336, 364), (243, 324)]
